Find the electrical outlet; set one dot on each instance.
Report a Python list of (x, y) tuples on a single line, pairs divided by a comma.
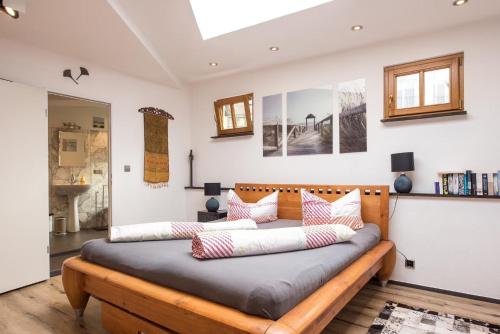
[(410, 264)]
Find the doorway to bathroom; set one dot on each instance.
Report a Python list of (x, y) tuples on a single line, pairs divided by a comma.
[(79, 174)]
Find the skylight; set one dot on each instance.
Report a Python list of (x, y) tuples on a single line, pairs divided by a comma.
[(219, 17)]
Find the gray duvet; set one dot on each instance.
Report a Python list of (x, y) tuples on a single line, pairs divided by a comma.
[(264, 285)]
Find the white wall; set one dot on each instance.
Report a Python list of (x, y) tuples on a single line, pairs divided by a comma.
[(132, 200), (454, 242)]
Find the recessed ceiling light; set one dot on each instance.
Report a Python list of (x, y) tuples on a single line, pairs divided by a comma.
[(274, 48), (357, 27), (9, 11), (213, 64), (215, 18), (459, 2)]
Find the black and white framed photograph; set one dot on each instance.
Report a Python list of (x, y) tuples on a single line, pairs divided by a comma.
[(272, 126), (352, 116), (310, 121)]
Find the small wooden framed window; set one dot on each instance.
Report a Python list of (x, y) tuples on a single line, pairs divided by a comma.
[(234, 115), (430, 86)]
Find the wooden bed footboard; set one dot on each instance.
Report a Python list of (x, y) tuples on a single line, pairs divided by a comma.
[(133, 305), (184, 313)]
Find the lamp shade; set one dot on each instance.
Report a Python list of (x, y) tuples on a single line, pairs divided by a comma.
[(402, 162), (212, 189)]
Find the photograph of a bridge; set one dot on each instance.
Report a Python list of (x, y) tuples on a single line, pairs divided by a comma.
[(310, 121), (272, 126), (352, 117)]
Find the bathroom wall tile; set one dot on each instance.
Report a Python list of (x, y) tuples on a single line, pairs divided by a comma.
[(93, 205)]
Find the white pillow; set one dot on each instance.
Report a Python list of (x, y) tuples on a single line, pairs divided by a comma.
[(264, 211), (346, 210)]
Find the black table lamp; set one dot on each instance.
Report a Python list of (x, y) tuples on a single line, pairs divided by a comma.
[(400, 163), (212, 189)]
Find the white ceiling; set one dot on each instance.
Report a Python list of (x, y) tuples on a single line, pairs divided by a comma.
[(159, 40)]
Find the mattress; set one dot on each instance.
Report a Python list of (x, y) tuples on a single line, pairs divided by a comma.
[(265, 285)]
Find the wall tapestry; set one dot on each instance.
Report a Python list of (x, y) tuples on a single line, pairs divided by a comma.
[(352, 117), (309, 121), (272, 126), (156, 171)]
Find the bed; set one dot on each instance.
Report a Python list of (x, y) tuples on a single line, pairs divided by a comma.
[(142, 297)]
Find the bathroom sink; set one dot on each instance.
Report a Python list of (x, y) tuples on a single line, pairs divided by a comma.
[(72, 191)]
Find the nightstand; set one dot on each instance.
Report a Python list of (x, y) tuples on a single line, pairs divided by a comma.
[(205, 216)]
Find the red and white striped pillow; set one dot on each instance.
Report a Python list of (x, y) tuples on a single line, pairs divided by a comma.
[(346, 210), (219, 244), (264, 211)]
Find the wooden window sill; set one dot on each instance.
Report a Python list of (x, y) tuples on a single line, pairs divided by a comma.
[(239, 134), (422, 116)]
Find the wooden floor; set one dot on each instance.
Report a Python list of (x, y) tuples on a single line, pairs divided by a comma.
[(43, 309)]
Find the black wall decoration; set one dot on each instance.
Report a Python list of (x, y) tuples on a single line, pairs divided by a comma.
[(83, 71)]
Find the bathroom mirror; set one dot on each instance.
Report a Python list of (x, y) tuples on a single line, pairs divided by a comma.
[(72, 149)]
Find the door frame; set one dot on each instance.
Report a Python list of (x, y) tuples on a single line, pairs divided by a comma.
[(110, 165)]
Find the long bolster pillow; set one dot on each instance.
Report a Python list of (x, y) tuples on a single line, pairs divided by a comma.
[(168, 231), (219, 244)]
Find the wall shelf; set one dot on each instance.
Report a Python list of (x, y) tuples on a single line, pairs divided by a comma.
[(391, 194), (444, 196), (229, 135), (203, 188), (422, 116)]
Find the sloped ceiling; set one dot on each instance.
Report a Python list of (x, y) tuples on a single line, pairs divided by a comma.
[(89, 30), (158, 40)]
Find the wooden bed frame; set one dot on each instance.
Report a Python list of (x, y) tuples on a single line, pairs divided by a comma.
[(135, 306)]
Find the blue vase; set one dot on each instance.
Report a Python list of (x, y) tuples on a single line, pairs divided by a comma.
[(403, 184), (212, 205)]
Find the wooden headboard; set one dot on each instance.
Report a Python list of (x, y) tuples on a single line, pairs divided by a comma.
[(374, 199)]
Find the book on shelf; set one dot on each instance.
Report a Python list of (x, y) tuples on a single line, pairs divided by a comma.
[(498, 182), (444, 183), (495, 184), (456, 189), (479, 185), (491, 190), (485, 184), (461, 184), (468, 184), (468, 178), (473, 184)]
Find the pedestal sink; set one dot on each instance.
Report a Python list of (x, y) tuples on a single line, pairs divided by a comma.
[(73, 191)]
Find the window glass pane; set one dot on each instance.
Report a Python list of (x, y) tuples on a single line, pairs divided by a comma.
[(227, 117), (408, 91), (250, 106), (239, 112), (437, 86)]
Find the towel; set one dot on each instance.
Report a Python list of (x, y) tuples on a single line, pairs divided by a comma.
[(173, 230), (219, 244)]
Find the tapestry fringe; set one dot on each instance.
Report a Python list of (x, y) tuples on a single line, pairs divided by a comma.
[(157, 185)]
